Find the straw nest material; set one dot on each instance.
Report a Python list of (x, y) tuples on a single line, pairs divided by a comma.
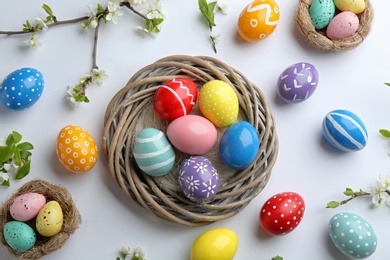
[(317, 38), (131, 110), (44, 245)]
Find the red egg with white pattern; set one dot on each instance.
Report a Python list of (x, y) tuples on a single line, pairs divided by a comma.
[(175, 98)]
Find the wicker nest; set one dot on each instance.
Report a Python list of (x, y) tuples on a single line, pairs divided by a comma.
[(44, 245), (318, 38), (131, 110)]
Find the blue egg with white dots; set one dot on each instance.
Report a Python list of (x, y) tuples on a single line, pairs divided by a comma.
[(344, 130), (352, 235), (21, 89)]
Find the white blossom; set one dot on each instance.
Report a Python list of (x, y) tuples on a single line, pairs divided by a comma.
[(140, 252), (70, 98), (154, 10), (379, 193), (43, 23), (136, 2), (11, 168), (3, 177), (34, 43), (145, 32), (98, 76), (223, 7), (126, 250), (215, 36), (115, 11)]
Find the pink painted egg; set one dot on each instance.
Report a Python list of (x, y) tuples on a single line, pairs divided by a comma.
[(343, 25), (175, 98), (27, 206), (192, 134)]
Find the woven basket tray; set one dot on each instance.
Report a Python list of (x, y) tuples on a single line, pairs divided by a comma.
[(317, 38), (43, 245), (131, 110)]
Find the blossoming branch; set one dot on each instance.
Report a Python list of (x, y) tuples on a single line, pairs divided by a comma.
[(152, 15)]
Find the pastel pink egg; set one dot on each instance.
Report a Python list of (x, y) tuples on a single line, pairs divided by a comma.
[(27, 206), (192, 134), (343, 25)]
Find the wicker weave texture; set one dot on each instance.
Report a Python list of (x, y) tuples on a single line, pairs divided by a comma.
[(44, 245), (131, 110), (317, 38)]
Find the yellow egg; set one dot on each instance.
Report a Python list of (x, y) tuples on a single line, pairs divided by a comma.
[(50, 219), (215, 244), (218, 103)]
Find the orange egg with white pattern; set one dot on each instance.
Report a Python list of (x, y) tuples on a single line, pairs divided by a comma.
[(258, 20), (76, 149)]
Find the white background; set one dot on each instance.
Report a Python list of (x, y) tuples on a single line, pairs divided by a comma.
[(306, 164)]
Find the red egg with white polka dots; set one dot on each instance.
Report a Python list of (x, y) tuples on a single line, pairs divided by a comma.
[(282, 213), (175, 98), (76, 149)]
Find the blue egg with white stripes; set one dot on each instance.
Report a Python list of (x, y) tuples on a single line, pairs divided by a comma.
[(344, 130), (21, 89), (153, 153)]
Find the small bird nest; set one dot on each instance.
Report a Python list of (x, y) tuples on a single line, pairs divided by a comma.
[(131, 110), (318, 39), (43, 245)]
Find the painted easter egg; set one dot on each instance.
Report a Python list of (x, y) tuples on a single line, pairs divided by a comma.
[(239, 145), (282, 213), (192, 134), (218, 103), (321, 13), (27, 206), (352, 235), (153, 153), (198, 179), (50, 219), (297, 82), (76, 149), (354, 6), (21, 89), (215, 244), (344, 130), (19, 236), (343, 25), (175, 98), (258, 20)]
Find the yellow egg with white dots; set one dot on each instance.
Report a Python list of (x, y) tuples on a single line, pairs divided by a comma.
[(218, 103)]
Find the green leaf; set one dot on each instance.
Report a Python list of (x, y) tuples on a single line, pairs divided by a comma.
[(388, 84), (23, 170), (208, 11), (385, 133), (25, 155), (6, 183), (6, 153), (277, 258), (25, 146), (17, 157), (14, 138), (348, 192), (47, 9), (332, 205)]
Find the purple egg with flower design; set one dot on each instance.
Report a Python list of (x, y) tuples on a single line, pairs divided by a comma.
[(297, 82), (198, 179)]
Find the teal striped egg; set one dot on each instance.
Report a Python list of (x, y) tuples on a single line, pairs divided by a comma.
[(153, 153), (344, 130)]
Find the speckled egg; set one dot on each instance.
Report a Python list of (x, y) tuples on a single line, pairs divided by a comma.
[(198, 179), (175, 98), (19, 236), (153, 153), (352, 235), (321, 13), (21, 89), (192, 134), (239, 145), (297, 82), (50, 219), (215, 244), (219, 103), (354, 6), (344, 130), (27, 206), (343, 25), (258, 20), (76, 149)]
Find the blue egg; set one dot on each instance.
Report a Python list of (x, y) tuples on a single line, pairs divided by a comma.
[(153, 153), (352, 235), (239, 145), (344, 130), (19, 236), (21, 89)]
